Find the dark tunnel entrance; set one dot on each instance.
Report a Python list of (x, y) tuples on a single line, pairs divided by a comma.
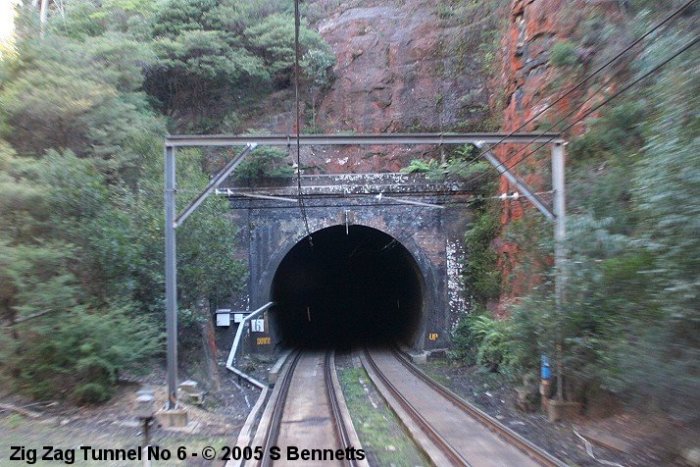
[(359, 286)]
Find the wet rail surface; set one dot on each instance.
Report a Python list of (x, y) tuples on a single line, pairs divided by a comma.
[(450, 430)]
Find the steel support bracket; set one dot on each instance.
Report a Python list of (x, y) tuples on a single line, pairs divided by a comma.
[(519, 183)]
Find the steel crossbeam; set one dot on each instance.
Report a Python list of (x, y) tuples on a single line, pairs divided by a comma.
[(172, 221), (362, 139)]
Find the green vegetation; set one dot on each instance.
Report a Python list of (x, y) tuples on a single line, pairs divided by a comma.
[(477, 338), (213, 58), (381, 433), (482, 340), (615, 134), (563, 54), (445, 11), (83, 112), (481, 273), (492, 339), (630, 321), (422, 166), (263, 163), (461, 164)]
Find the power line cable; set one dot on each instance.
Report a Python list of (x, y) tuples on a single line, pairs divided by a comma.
[(551, 127), (584, 81), (604, 102), (361, 203), (596, 72), (610, 61), (523, 148), (302, 205)]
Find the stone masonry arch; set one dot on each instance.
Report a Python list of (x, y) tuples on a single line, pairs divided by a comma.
[(433, 237)]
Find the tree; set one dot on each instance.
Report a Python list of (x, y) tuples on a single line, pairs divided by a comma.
[(81, 215), (56, 296), (273, 40), (263, 162), (83, 97), (667, 190), (215, 57)]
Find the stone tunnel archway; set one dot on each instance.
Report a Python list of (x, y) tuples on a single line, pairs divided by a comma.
[(355, 284), (270, 230)]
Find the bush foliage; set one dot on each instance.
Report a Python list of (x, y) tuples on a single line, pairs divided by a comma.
[(481, 270), (83, 112), (462, 163), (563, 54), (630, 322), (262, 163)]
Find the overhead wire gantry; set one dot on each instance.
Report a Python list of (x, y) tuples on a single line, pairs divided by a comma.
[(556, 214)]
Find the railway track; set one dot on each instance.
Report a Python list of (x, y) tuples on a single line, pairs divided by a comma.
[(308, 414), (450, 430)]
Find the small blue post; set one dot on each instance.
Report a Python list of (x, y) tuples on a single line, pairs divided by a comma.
[(545, 370)]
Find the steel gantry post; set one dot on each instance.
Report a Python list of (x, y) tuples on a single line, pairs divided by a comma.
[(559, 206), (170, 276), (520, 185), (557, 215), (172, 222)]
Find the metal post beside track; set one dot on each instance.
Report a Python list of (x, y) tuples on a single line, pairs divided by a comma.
[(559, 207), (170, 276)]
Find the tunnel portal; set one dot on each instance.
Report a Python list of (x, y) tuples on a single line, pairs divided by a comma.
[(354, 285)]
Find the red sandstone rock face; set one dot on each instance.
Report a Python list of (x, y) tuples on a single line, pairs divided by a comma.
[(531, 84), (398, 70), (527, 77), (390, 70), (534, 26)]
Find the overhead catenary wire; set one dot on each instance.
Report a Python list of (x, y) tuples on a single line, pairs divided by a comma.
[(589, 98), (549, 140), (297, 53), (601, 104), (524, 147), (362, 196), (578, 85), (595, 72)]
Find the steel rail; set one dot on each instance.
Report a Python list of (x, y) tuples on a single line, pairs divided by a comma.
[(278, 412), (272, 435), (531, 450), (340, 428), (455, 458), (361, 139)]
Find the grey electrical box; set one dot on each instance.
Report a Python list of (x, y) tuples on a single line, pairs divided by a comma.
[(223, 317)]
